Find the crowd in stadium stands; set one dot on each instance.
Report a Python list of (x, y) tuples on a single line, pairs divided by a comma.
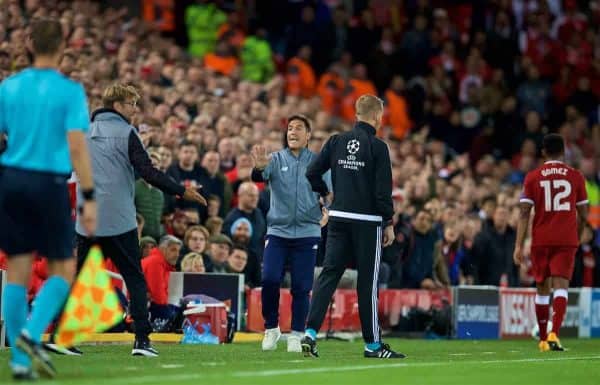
[(470, 90)]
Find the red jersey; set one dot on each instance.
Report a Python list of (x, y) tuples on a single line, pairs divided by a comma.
[(554, 189)]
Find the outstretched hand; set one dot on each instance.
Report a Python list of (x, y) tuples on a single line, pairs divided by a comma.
[(259, 155), (191, 194)]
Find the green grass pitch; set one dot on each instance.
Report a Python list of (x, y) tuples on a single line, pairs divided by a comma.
[(428, 362)]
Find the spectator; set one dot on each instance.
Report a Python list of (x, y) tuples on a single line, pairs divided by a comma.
[(157, 267), (300, 77), (257, 65), (237, 262), (226, 147), (397, 109), (451, 258), (241, 233), (166, 158), (195, 241), (534, 93), (587, 261), (214, 181), (214, 225), (179, 224), (222, 61), (147, 243), (415, 47), (220, 247), (493, 250), (240, 174), (189, 174), (417, 245), (247, 208), (203, 20), (592, 187), (487, 208), (192, 263), (214, 206), (149, 202)]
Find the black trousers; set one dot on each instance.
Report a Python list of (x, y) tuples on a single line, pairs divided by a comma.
[(124, 251), (358, 243)]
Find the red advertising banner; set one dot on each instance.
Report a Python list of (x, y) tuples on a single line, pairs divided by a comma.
[(517, 312), (343, 311)]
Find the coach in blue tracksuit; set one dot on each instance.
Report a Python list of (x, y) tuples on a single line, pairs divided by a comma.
[(293, 230)]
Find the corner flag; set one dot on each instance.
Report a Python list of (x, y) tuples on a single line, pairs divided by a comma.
[(92, 306)]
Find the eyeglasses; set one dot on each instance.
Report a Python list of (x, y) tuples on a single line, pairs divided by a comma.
[(132, 104)]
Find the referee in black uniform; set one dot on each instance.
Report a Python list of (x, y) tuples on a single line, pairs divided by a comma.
[(362, 205)]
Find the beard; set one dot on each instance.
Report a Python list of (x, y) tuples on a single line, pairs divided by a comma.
[(241, 239)]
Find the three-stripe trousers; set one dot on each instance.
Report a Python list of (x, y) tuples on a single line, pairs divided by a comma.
[(355, 243)]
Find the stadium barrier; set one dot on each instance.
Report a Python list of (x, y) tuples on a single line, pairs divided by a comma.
[(342, 314), (517, 313), (479, 312), (476, 313), (589, 306)]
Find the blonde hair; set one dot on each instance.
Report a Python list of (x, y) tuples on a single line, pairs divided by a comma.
[(119, 93), (188, 261), (213, 224), (368, 107)]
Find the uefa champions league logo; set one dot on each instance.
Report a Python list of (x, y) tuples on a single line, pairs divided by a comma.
[(353, 146), (351, 163)]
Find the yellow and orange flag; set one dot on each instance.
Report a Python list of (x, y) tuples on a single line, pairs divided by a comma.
[(92, 306)]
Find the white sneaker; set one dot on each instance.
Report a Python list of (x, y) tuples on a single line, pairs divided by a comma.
[(270, 339), (293, 343)]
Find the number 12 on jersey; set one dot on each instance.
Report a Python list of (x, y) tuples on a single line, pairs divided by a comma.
[(555, 200)]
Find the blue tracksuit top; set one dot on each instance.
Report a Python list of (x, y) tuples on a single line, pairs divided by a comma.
[(294, 210)]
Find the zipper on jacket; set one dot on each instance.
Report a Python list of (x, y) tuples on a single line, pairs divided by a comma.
[(296, 198)]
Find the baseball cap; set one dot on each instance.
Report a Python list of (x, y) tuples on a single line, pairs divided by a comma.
[(221, 239), (147, 239)]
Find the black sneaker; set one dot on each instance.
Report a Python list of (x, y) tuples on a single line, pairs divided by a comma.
[(38, 356), (384, 351), (309, 347), (74, 351), (143, 347), (23, 374), (54, 348)]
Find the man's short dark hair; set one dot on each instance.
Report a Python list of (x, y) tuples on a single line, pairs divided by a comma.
[(301, 118), (185, 143), (424, 210), (46, 36), (239, 246), (488, 198), (554, 145)]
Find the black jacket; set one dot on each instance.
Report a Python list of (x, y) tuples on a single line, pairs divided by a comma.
[(361, 174), (493, 256)]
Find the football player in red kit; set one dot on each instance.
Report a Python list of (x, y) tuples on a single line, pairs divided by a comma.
[(557, 194)]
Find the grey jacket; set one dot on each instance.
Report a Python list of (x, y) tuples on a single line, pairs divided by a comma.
[(117, 153), (294, 210)]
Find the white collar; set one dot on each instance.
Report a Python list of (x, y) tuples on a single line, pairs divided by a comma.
[(553, 161)]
